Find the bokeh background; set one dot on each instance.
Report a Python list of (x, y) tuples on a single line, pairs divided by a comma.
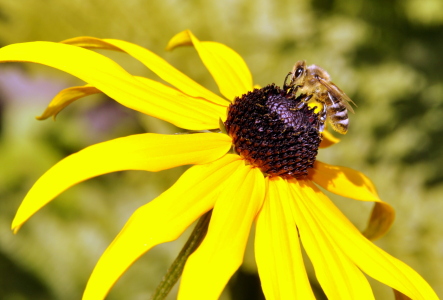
[(386, 55)]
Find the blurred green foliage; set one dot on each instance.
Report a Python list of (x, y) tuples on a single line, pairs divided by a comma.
[(386, 55)]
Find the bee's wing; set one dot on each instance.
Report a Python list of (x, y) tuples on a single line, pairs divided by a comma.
[(338, 94)]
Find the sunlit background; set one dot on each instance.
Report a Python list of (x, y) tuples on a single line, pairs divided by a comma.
[(386, 55)]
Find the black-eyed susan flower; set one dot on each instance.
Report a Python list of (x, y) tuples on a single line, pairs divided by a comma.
[(271, 178)]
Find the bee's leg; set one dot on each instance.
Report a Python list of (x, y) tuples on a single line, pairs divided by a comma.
[(285, 85), (323, 114), (322, 118), (303, 101)]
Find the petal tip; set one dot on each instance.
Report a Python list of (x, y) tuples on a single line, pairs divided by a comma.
[(15, 228), (180, 39), (328, 140), (43, 117)]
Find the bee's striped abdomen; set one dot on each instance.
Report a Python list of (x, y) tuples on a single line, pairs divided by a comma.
[(338, 117)]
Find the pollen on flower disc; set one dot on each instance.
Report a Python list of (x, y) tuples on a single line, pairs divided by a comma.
[(275, 131)]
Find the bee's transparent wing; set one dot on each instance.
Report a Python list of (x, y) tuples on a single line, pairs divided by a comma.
[(338, 94)]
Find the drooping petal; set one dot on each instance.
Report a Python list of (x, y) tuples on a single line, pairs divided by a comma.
[(66, 97), (148, 152), (338, 276), (353, 184), (152, 61), (366, 256), (209, 268), (149, 97), (277, 247), (161, 220), (328, 139), (228, 68), (382, 217)]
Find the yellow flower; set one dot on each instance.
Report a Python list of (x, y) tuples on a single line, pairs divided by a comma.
[(285, 210)]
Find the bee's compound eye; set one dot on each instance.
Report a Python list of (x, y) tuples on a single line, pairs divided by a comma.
[(298, 72)]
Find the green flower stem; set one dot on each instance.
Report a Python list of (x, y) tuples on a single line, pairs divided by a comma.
[(176, 269)]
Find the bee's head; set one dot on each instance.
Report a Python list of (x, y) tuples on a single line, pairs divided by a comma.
[(298, 74), (313, 73)]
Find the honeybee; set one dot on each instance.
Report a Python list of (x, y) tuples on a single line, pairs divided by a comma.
[(316, 84)]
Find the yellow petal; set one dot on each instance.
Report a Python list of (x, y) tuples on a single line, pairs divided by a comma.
[(154, 62), (226, 66), (209, 268), (161, 220), (199, 107), (148, 97), (199, 111), (339, 278), (382, 217), (277, 247), (148, 152), (343, 181), (328, 139), (66, 97), (368, 257), (353, 184)]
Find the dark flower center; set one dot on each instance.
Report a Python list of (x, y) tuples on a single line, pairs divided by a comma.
[(275, 131)]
